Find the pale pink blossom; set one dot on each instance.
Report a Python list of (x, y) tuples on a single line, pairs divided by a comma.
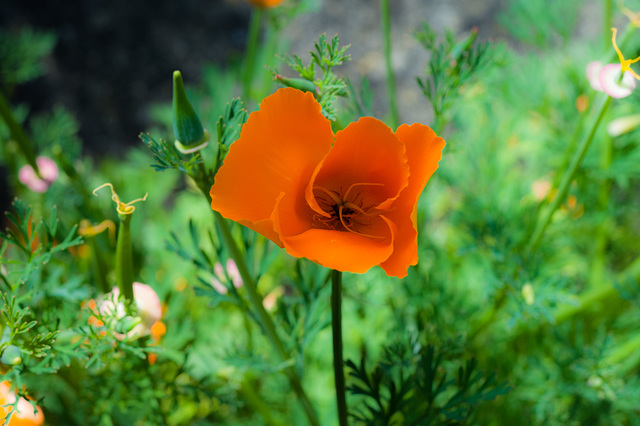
[(613, 85), (541, 188), (48, 174), (593, 74), (147, 302), (606, 78), (223, 275)]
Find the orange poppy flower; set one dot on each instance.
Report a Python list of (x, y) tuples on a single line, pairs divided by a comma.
[(24, 415), (265, 3), (346, 201)]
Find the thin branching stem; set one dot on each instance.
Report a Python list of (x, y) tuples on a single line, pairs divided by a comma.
[(251, 52), (266, 323), (18, 134), (563, 188), (385, 16)]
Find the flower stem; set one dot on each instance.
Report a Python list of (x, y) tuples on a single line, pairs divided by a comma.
[(250, 53), (606, 22), (385, 12), (598, 266), (566, 180), (265, 320), (124, 258), (336, 328), (17, 134)]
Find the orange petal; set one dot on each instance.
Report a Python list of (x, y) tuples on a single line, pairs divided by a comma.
[(424, 150), (278, 149), (344, 251), (365, 152)]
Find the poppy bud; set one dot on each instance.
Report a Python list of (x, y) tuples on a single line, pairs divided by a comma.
[(126, 324), (11, 355), (187, 128), (297, 83)]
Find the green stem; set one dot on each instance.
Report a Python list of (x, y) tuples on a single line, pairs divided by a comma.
[(250, 53), (336, 328), (606, 23), (604, 294), (566, 180), (17, 134), (598, 294), (385, 10), (265, 320), (598, 265), (626, 356), (270, 49), (124, 258)]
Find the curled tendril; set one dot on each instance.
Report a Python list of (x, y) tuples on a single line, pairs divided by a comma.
[(90, 230), (121, 208)]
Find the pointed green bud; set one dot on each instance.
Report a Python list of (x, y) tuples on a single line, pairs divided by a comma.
[(126, 324), (11, 355), (297, 83), (189, 133), (463, 45)]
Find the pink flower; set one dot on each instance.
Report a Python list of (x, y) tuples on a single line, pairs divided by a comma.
[(222, 276), (147, 302), (606, 78), (48, 172), (593, 75), (611, 83)]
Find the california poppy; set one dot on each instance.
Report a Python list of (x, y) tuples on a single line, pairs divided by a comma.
[(265, 3), (24, 415), (346, 201)]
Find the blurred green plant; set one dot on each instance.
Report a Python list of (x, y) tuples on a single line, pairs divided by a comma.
[(452, 64), (409, 386), (326, 87)]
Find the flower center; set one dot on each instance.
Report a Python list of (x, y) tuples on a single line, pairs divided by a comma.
[(345, 210)]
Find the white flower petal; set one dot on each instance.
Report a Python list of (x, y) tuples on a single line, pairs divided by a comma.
[(623, 125), (593, 74), (611, 83)]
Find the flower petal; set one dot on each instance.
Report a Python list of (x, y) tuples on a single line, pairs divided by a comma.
[(367, 153), (623, 125), (278, 149), (344, 251), (611, 84), (424, 150), (593, 74)]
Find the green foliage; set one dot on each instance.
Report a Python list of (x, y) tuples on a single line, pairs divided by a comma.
[(21, 55), (228, 128), (559, 324), (410, 386), (168, 157), (325, 57), (541, 23), (452, 64)]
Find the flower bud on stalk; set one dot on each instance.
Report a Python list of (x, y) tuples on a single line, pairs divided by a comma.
[(124, 257), (124, 253), (11, 355), (187, 128), (297, 83)]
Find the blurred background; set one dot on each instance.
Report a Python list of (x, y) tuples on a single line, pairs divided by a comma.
[(113, 60)]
